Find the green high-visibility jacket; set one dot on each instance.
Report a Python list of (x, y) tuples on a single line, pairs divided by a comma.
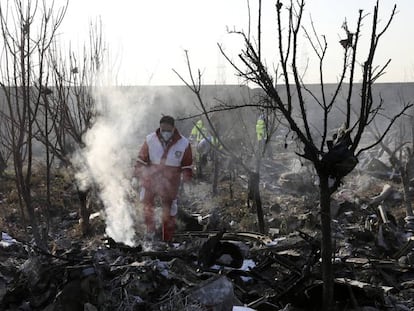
[(261, 129), (198, 131)]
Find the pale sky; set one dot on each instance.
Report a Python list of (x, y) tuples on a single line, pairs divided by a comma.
[(147, 38)]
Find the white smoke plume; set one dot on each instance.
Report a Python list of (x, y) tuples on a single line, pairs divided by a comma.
[(106, 162)]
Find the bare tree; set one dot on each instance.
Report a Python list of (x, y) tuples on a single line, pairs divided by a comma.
[(27, 30), (5, 152), (332, 158), (72, 106)]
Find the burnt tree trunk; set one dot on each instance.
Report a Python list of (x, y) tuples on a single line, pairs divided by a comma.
[(215, 172), (199, 165), (3, 164), (38, 237), (48, 165), (326, 243), (254, 196), (84, 211)]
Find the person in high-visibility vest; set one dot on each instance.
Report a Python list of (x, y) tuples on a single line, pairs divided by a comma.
[(262, 137), (261, 131), (198, 132)]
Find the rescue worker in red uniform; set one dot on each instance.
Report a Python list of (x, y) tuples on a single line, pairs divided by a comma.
[(163, 161)]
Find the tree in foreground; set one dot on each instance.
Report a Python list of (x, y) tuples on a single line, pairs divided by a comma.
[(332, 157), (331, 146)]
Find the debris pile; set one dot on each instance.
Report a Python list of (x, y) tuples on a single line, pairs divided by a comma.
[(214, 263), (209, 271)]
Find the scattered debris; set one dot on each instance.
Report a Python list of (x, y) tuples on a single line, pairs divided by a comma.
[(216, 260)]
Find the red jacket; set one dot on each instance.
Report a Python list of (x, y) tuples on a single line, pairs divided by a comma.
[(159, 168)]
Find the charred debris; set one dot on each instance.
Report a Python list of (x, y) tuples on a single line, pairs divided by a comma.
[(227, 269)]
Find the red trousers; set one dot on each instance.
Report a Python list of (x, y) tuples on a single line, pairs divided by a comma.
[(168, 213)]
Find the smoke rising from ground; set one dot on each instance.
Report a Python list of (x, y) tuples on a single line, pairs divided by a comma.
[(124, 117), (107, 160)]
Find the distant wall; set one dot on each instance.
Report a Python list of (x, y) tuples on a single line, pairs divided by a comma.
[(181, 103)]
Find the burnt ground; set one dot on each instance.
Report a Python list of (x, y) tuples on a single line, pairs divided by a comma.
[(373, 250)]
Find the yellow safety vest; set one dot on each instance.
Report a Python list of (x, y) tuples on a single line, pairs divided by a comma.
[(260, 129), (198, 131)]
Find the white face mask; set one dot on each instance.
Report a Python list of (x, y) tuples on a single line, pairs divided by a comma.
[(166, 135)]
